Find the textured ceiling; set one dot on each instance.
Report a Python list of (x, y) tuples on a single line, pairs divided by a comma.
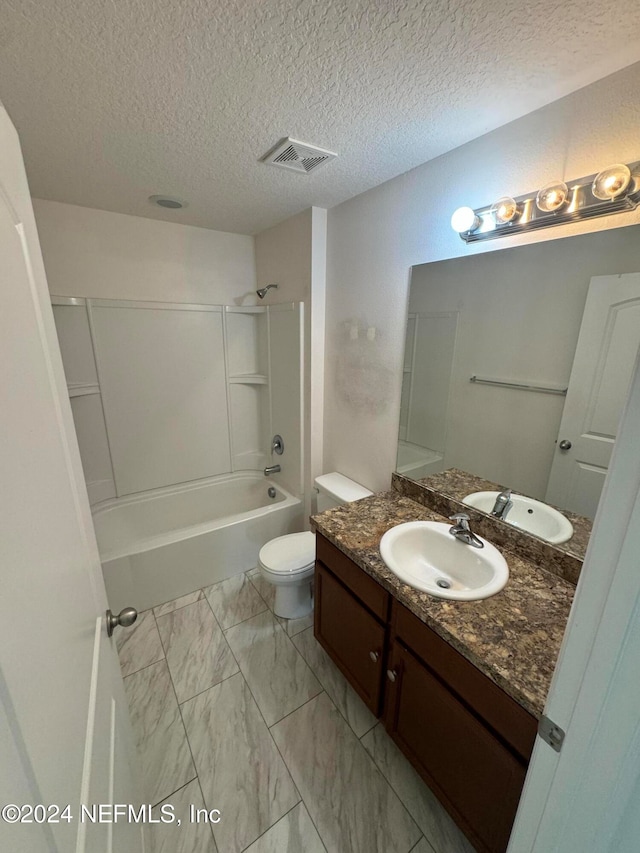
[(116, 100)]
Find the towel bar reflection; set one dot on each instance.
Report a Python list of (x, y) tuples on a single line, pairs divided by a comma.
[(542, 389)]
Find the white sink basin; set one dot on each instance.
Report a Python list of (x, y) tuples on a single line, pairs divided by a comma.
[(527, 514), (426, 556)]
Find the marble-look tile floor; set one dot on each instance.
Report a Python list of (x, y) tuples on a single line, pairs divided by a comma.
[(238, 710)]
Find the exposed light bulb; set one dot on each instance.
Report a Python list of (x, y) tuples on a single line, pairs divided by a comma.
[(611, 182), (504, 210), (552, 196), (464, 219)]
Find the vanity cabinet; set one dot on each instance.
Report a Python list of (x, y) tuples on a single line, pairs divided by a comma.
[(350, 622), (466, 737)]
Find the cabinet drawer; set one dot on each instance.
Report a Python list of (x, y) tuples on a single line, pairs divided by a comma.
[(476, 778), (351, 636), (358, 582), (490, 702)]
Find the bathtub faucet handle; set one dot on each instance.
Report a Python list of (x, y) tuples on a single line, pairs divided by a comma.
[(272, 469)]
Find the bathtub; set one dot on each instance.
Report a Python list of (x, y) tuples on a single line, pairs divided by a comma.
[(161, 544), (416, 462)]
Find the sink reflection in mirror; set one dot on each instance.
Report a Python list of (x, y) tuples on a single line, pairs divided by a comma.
[(553, 328), (528, 514)]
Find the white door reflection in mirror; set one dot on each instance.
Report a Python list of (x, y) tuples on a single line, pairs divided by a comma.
[(600, 377)]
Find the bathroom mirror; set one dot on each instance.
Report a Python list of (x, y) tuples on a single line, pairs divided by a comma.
[(509, 353)]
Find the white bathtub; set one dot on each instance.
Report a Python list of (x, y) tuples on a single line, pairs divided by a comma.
[(161, 544), (416, 462)]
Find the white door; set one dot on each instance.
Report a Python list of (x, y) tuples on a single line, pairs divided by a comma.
[(586, 798), (602, 369), (64, 731)]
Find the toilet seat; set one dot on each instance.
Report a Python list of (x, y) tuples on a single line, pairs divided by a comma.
[(289, 555)]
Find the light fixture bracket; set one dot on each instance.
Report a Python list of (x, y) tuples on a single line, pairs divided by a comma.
[(582, 204)]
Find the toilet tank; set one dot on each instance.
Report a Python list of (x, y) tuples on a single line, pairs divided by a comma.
[(336, 489)]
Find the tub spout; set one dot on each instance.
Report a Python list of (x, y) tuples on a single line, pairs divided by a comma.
[(271, 469)]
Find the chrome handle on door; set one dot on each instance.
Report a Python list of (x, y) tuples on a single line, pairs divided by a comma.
[(374, 656), (565, 444), (392, 674), (125, 618)]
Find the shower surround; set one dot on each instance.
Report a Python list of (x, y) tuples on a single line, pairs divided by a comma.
[(174, 406)]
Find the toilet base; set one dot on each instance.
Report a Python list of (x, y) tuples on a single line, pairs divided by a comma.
[(293, 601)]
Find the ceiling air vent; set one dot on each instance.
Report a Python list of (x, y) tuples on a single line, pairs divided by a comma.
[(291, 154)]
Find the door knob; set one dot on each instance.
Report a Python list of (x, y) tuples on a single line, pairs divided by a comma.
[(125, 618), (565, 444)]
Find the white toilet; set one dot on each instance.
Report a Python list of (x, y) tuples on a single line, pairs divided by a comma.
[(288, 561)]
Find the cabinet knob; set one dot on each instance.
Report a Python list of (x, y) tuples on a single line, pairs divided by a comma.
[(374, 656), (392, 674)]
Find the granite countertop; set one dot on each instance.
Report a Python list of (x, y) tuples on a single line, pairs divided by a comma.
[(513, 637)]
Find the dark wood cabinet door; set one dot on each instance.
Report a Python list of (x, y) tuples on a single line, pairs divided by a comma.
[(351, 636), (472, 773), (499, 712)]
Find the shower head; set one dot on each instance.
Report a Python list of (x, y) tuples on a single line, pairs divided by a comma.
[(263, 290)]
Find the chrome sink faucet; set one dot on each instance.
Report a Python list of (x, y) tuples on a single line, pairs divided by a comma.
[(463, 532), (502, 505)]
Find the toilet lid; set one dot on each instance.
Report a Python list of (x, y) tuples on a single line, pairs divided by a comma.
[(290, 553)]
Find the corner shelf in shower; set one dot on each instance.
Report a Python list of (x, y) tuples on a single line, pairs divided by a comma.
[(81, 389), (249, 379), (247, 349), (245, 309)]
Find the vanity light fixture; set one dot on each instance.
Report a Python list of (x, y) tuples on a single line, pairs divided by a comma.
[(611, 182), (464, 219), (615, 189), (504, 210), (552, 197)]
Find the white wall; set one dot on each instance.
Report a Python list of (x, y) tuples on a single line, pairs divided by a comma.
[(293, 255), (283, 256), (375, 238), (106, 255)]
